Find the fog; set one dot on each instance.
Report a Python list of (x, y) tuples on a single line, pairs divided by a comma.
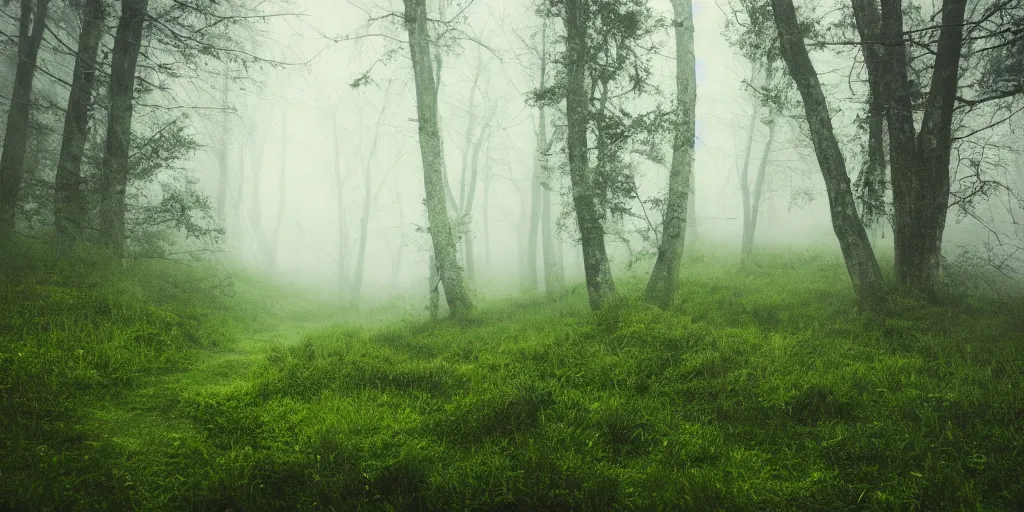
[(298, 131)]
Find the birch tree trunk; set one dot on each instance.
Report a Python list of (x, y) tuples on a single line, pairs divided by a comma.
[(597, 271), (69, 208), (115, 174), (432, 155), (664, 280), (31, 24), (860, 260)]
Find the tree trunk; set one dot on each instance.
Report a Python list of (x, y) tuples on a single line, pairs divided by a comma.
[(744, 176), (470, 198), (69, 208), (692, 226), (12, 160), (664, 280), (275, 248), (533, 227), (554, 276), (364, 227), (596, 269), (339, 187), (364, 223), (396, 265), (222, 155), (872, 180), (263, 240), (434, 281), (487, 209), (920, 165), (860, 260), (115, 174), (750, 220), (432, 155)]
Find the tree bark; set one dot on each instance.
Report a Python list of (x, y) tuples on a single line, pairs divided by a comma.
[(920, 164), (12, 161), (585, 193), (69, 208), (861, 264), (872, 180), (664, 280), (432, 155), (115, 175)]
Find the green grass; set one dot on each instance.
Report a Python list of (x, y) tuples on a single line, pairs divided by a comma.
[(762, 390)]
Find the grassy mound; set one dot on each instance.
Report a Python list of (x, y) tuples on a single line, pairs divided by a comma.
[(762, 390)]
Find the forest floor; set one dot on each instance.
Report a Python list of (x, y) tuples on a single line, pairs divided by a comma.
[(161, 387)]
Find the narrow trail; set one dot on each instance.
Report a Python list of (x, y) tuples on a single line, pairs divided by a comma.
[(148, 412)]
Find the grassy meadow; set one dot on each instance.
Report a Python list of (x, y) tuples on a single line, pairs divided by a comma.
[(166, 387)]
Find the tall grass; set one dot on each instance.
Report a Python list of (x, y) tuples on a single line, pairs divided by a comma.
[(763, 389)]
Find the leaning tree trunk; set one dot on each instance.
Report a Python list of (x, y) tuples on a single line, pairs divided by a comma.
[(69, 208), (744, 176), (853, 239), (432, 155), (750, 221), (661, 287), (115, 175), (12, 160), (920, 165)]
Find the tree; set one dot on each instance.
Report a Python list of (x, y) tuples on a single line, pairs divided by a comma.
[(31, 25), (858, 255), (664, 280), (115, 173), (585, 193), (919, 159), (543, 177), (432, 156), (752, 198), (369, 199), (70, 209)]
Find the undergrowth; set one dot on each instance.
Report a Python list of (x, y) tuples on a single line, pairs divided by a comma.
[(763, 389)]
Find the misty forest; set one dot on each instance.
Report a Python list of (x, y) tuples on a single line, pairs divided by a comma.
[(538, 255)]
